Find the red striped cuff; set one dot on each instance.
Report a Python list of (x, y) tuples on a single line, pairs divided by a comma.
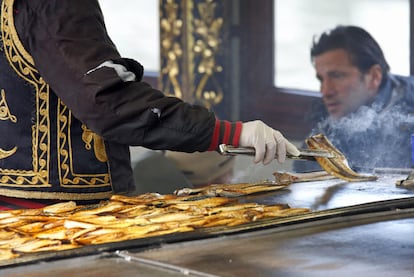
[(10, 203), (225, 132)]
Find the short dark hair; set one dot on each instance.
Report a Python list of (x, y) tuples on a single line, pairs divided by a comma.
[(364, 51)]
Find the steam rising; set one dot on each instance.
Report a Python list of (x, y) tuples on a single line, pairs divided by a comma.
[(371, 139), (247, 175)]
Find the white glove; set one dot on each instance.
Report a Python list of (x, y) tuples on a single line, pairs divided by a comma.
[(267, 142)]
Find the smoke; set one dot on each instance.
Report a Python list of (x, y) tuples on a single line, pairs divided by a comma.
[(245, 170), (371, 139), (248, 174), (357, 122)]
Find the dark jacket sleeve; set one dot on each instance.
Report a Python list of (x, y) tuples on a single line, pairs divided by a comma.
[(68, 41)]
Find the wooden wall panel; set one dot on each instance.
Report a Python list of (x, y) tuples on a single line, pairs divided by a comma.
[(281, 108)]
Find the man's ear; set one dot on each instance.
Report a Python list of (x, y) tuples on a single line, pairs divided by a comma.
[(374, 77)]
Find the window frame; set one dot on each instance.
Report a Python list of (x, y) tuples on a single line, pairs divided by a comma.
[(282, 108)]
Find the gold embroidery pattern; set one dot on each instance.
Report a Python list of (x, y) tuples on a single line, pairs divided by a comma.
[(6, 115), (7, 153), (98, 144), (23, 65), (67, 174), (4, 109)]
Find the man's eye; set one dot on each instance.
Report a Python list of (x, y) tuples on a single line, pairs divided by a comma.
[(337, 75)]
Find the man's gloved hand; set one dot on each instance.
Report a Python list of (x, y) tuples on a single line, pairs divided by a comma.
[(268, 143)]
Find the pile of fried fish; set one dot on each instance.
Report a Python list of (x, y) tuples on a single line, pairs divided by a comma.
[(67, 225)]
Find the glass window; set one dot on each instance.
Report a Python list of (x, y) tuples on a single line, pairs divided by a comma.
[(133, 26), (297, 21)]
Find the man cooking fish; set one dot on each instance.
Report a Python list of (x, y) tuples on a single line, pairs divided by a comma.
[(71, 107)]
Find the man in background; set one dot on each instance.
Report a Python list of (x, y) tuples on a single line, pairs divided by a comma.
[(365, 111)]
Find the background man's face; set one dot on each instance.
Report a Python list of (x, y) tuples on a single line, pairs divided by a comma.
[(344, 88)]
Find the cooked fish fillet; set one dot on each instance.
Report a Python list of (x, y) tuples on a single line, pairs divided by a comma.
[(179, 229), (58, 233), (170, 217), (34, 244), (284, 212), (5, 235), (143, 198), (32, 227), (78, 224), (56, 247), (13, 242), (6, 214), (231, 190), (205, 202), (290, 177), (6, 254), (108, 207), (60, 207)]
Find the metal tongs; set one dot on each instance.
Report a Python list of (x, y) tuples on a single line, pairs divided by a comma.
[(305, 154)]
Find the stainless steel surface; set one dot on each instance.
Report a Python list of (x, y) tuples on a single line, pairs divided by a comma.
[(103, 265), (337, 239), (305, 154), (335, 193), (374, 244), (336, 249)]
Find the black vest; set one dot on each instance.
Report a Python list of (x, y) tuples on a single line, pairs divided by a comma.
[(45, 152)]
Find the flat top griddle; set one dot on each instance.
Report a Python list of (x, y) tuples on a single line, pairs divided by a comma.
[(337, 205)]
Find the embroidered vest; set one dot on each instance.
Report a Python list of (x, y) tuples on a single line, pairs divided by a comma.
[(45, 152)]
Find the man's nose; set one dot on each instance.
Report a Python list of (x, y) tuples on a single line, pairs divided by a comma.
[(327, 88)]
